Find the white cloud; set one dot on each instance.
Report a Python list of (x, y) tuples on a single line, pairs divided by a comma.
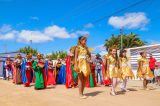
[(82, 32), (75, 34), (35, 36), (129, 21), (57, 32), (6, 32), (89, 25), (5, 28), (34, 18), (152, 42), (8, 36), (39, 36), (100, 47), (102, 53)]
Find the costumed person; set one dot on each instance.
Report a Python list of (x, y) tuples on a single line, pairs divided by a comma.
[(81, 64), (74, 73), (43, 61), (55, 70), (126, 71), (27, 72), (14, 69), (98, 62), (75, 76), (69, 76), (112, 68), (106, 80), (18, 64), (39, 69), (8, 68), (4, 71), (49, 71), (58, 66), (144, 71), (62, 74), (91, 80), (157, 74), (93, 66)]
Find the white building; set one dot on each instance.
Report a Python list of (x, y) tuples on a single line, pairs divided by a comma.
[(134, 54)]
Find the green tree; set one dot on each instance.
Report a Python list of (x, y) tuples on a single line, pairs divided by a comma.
[(129, 40), (28, 49), (59, 54)]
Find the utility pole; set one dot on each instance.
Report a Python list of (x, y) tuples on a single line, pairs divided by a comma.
[(31, 40)]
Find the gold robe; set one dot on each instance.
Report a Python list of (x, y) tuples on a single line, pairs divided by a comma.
[(83, 64), (145, 68), (113, 71), (126, 71)]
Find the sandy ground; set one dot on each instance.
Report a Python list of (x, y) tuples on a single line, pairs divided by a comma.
[(17, 95)]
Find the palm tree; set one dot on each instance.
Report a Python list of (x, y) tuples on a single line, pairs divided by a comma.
[(113, 40), (132, 40), (129, 41)]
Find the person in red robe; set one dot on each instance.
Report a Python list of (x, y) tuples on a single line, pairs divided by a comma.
[(49, 69), (106, 81), (27, 72), (91, 79), (88, 81), (69, 76)]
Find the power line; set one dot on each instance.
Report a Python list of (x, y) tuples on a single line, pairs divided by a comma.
[(121, 10), (92, 7), (85, 6)]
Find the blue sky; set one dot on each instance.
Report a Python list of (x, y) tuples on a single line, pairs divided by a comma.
[(55, 24)]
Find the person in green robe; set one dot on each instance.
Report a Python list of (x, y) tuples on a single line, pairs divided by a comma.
[(38, 69), (75, 76)]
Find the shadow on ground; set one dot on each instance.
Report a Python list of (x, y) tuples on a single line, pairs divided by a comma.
[(94, 93)]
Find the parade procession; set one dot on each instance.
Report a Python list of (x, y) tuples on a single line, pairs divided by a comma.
[(82, 69), (79, 53)]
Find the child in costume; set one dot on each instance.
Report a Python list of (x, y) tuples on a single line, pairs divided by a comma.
[(112, 68), (144, 71), (81, 64), (126, 71)]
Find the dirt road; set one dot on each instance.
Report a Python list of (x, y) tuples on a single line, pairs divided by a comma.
[(17, 95)]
